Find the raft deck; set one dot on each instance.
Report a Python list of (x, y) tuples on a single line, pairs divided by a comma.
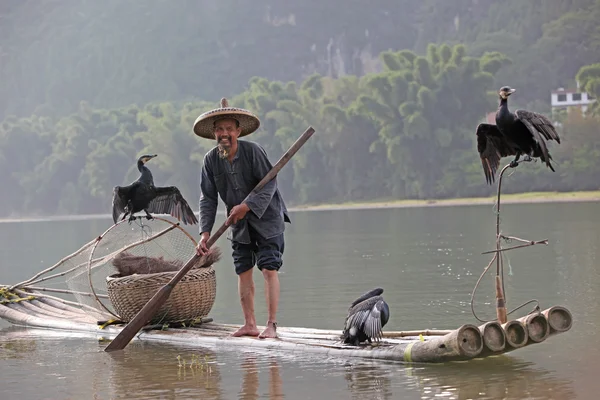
[(32, 309)]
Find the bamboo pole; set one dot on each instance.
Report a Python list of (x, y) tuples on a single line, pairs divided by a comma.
[(559, 319), (100, 260), (65, 313), (537, 327), (500, 302), (388, 334), (494, 338), (516, 335), (66, 291), (55, 301), (531, 243), (500, 299), (76, 253), (461, 344), (18, 317), (29, 308)]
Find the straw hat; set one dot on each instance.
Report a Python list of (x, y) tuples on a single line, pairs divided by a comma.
[(204, 124)]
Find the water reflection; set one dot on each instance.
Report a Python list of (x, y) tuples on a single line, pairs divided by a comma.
[(428, 261), (153, 372), (12, 346), (368, 381), (494, 378), (251, 382)]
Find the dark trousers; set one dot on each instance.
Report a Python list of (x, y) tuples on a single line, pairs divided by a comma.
[(264, 253)]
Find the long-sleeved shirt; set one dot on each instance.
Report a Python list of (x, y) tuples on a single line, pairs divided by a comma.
[(233, 181)]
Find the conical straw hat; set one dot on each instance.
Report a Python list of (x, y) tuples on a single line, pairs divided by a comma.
[(204, 125)]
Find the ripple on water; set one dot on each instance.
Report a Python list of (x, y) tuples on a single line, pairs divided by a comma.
[(151, 371)]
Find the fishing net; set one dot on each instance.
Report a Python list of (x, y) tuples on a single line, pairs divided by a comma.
[(114, 275)]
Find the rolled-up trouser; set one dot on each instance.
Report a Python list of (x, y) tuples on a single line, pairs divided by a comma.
[(264, 253)]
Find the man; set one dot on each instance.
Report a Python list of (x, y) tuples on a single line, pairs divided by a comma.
[(231, 170)]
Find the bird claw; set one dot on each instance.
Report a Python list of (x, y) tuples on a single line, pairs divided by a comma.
[(528, 159), (513, 164)]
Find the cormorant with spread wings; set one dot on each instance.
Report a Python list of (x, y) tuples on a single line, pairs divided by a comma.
[(142, 195), (520, 133)]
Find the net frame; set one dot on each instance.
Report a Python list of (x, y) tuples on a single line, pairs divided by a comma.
[(99, 262), (81, 279)]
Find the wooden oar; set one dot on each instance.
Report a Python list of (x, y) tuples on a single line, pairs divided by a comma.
[(153, 305)]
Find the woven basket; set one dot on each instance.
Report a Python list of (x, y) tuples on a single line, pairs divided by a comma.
[(192, 297)]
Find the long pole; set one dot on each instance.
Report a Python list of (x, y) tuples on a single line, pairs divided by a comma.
[(500, 300), (153, 305)]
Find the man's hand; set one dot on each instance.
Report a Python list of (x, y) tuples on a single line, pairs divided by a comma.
[(201, 248), (237, 213)]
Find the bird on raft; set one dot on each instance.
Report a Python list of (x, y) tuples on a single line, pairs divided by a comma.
[(516, 133), (142, 195), (366, 317)]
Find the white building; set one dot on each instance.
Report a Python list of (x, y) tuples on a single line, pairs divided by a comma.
[(566, 98)]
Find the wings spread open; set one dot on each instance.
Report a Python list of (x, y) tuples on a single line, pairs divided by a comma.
[(541, 128), (492, 146), (170, 201), (119, 202), (538, 123)]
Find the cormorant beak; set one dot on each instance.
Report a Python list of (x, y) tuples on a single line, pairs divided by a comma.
[(149, 157), (511, 91)]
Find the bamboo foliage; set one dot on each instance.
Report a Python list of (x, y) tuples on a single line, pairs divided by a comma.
[(406, 131)]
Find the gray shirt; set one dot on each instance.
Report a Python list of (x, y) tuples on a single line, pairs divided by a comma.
[(233, 181)]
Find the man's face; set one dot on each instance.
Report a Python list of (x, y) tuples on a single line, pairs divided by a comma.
[(226, 134)]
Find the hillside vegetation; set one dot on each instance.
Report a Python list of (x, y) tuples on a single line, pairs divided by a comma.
[(393, 89)]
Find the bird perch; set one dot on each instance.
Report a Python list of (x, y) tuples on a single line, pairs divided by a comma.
[(531, 243)]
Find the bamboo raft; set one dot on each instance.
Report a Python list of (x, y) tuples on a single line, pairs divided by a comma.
[(467, 342), (25, 305)]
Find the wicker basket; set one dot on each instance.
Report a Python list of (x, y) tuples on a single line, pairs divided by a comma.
[(192, 297)]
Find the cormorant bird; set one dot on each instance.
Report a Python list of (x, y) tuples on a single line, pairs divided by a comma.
[(142, 195), (520, 133), (366, 316)]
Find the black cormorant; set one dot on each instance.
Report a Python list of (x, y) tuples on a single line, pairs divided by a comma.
[(520, 133), (142, 195), (366, 316)]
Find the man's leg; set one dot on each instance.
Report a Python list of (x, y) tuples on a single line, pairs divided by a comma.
[(272, 297), (269, 261), (243, 260)]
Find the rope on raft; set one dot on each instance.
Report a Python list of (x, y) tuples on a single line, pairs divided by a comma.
[(8, 296), (499, 250)]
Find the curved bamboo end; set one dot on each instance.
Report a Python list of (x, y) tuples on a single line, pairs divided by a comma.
[(538, 328), (469, 340), (559, 318), (494, 338), (516, 334)]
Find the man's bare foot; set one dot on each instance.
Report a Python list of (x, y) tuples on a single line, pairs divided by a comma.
[(270, 331), (246, 330)]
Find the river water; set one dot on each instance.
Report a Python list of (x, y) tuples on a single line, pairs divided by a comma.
[(427, 260)]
